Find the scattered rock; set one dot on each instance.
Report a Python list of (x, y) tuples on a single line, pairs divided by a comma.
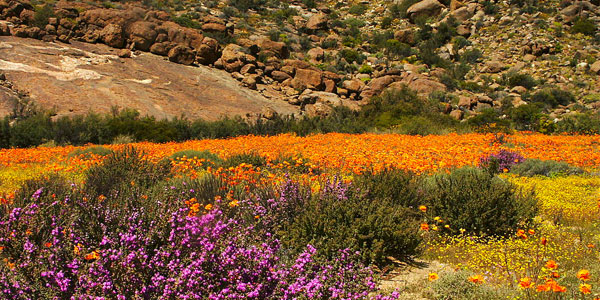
[(182, 55), (124, 53), (425, 8), (317, 22), (595, 67)]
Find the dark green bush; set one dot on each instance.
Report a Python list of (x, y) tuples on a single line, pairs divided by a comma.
[(553, 97), (357, 10), (395, 49), (475, 200), (581, 123), (396, 187), (351, 55), (584, 26), (87, 152), (123, 171), (41, 16), (531, 167), (343, 217), (186, 21), (212, 159), (513, 79), (525, 116)]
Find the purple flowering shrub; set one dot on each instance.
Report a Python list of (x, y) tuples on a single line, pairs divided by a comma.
[(73, 247), (501, 162)]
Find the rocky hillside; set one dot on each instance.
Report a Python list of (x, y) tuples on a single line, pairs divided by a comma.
[(533, 62)]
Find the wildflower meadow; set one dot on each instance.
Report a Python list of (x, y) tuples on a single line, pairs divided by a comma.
[(327, 216)]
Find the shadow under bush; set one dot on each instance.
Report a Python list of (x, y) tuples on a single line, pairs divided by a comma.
[(480, 203)]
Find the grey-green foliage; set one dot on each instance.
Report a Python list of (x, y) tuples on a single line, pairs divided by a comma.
[(211, 158), (532, 167), (456, 286), (479, 202)]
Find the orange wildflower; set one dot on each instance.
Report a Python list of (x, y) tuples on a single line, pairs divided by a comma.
[(478, 279), (433, 277), (551, 264), (525, 283), (543, 241), (425, 227), (585, 288), (531, 231), (93, 255), (48, 245), (423, 208), (583, 275)]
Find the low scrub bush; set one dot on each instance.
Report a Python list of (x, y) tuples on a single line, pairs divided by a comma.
[(123, 171), (394, 186), (341, 216), (210, 158), (584, 26), (531, 167), (456, 286), (478, 202), (581, 123), (513, 79), (553, 97)]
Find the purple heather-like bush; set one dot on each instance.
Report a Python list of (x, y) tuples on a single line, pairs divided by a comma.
[(505, 160), (79, 249)]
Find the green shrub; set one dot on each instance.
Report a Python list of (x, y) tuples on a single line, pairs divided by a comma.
[(456, 286), (471, 56), (351, 55), (397, 187), (357, 10), (531, 167), (43, 187), (186, 21), (513, 79), (247, 158), (478, 202), (525, 116), (386, 22), (581, 123), (89, 151), (365, 69), (584, 26), (41, 15), (123, 171), (553, 97), (212, 159), (123, 139), (343, 217), (395, 48)]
